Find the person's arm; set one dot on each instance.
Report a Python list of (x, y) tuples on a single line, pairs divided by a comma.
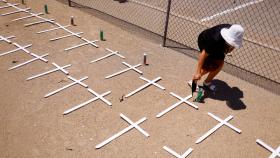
[(202, 56)]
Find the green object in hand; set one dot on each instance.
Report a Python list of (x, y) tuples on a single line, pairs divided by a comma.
[(200, 95)]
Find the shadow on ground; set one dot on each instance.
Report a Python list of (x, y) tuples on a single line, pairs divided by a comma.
[(232, 95)]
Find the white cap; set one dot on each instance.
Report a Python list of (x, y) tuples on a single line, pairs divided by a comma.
[(233, 35)]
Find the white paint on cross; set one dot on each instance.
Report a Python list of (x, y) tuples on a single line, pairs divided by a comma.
[(83, 44), (275, 152), (150, 82), (39, 22), (108, 55), (58, 68), (132, 125), (187, 153), (6, 39), (52, 29), (222, 122), (130, 67), (75, 81), (8, 6), (23, 48), (182, 100), (17, 11), (36, 57), (98, 96), (65, 36), (29, 16)]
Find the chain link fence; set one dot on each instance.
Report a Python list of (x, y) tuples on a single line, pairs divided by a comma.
[(179, 22)]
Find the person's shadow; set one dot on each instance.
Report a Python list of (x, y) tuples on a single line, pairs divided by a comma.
[(231, 95)]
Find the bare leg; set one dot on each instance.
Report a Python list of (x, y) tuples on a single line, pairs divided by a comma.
[(212, 74)]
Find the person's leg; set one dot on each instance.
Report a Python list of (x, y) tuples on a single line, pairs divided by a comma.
[(212, 74)]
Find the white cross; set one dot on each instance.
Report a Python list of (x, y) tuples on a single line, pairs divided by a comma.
[(36, 57), (17, 11), (222, 122), (69, 35), (182, 100), (152, 82), (108, 55), (52, 29), (6, 39), (29, 16), (187, 153), (79, 82), (39, 22), (125, 70), (83, 44), (275, 152), (98, 96), (17, 49), (132, 125), (8, 6), (58, 68)]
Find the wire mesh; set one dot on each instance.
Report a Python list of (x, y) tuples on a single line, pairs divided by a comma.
[(260, 54)]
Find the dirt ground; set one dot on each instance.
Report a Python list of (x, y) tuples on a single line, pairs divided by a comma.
[(33, 126)]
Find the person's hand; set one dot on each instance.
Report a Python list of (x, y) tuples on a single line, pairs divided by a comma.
[(197, 77)]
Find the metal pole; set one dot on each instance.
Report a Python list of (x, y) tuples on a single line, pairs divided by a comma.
[(166, 22), (69, 3)]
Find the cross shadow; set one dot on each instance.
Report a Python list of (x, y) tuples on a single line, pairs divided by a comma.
[(232, 95)]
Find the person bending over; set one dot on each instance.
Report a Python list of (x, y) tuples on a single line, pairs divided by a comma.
[(214, 43)]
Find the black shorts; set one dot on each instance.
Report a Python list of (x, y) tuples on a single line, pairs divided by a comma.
[(201, 43), (211, 63)]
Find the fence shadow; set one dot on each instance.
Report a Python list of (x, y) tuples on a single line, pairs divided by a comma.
[(232, 95)]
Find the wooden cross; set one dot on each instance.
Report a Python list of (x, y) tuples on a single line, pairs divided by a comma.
[(132, 125), (29, 16), (108, 55), (130, 67), (58, 68), (222, 122), (36, 57), (182, 100), (17, 49), (17, 11), (187, 153), (98, 96), (83, 44), (275, 152), (69, 35), (152, 82), (79, 82), (6, 39), (52, 29)]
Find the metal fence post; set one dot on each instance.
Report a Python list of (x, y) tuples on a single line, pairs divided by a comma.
[(69, 3), (166, 23)]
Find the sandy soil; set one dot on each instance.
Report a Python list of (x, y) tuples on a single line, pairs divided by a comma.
[(33, 126)]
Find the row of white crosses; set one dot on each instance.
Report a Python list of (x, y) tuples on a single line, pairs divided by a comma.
[(130, 67), (24, 49), (56, 69), (44, 20), (275, 152)]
